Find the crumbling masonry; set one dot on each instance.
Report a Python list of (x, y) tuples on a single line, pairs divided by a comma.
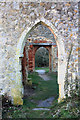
[(17, 21)]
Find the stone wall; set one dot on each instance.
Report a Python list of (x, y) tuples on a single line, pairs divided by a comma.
[(42, 31), (17, 19)]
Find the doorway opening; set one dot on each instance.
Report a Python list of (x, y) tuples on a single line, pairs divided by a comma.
[(39, 59), (42, 59), (61, 53)]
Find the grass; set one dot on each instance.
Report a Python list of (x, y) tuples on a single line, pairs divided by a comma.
[(42, 68), (66, 109), (43, 90)]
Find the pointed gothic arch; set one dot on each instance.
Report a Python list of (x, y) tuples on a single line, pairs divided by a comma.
[(61, 53)]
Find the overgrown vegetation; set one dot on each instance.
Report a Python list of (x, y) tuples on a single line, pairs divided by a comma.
[(42, 90), (42, 57), (67, 109)]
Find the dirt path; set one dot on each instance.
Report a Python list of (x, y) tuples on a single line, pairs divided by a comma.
[(43, 75), (46, 102), (42, 104)]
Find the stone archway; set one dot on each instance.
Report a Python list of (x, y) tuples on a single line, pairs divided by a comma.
[(35, 48), (28, 61), (61, 54), (36, 44)]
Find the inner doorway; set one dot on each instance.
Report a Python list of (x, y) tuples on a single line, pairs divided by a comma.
[(42, 57)]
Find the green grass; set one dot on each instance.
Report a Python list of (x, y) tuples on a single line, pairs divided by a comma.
[(66, 109), (42, 68), (43, 90)]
